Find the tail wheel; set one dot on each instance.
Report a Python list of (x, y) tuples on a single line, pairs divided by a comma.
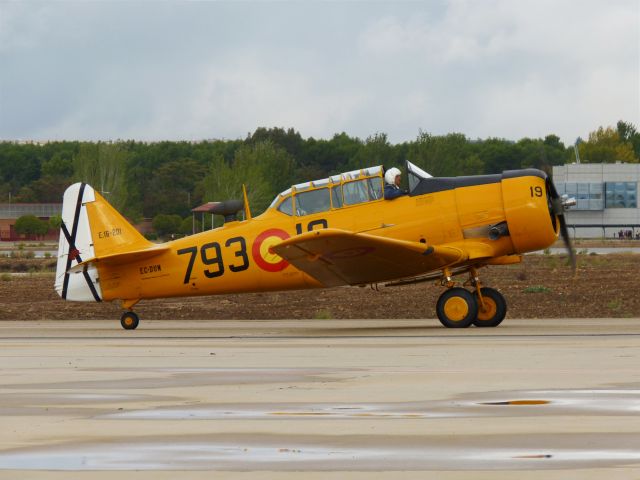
[(457, 308), (129, 320), (494, 311)]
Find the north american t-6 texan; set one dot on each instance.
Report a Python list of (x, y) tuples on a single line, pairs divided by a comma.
[(326, 233)]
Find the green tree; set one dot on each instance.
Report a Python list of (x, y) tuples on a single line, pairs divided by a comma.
[(264, 168), (104, 167), (289, 140), (55, 222), (31, 225), (172, 188), (5, 191), (189, 226), (58, 166), (26, 195), (541, 154), (629, 134), (606, 146), (49, 189), (447, 155), (499, 154), (20, 164), (376, 150), (321, 158), (166, 224)]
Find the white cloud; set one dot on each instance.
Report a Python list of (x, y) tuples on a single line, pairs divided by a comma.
[(245, 91), (515, 68), (200, 70)]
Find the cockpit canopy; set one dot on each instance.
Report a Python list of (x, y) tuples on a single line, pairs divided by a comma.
[(339, 191)]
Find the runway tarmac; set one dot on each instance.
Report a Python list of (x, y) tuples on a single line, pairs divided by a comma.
[(320, 399)]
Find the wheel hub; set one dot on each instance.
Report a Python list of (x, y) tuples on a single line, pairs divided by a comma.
[(488, 309), (456, 308)]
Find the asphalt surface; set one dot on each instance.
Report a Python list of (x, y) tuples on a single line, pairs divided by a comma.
[(557, 398)]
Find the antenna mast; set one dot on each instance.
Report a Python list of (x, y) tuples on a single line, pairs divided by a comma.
[(575, 149)]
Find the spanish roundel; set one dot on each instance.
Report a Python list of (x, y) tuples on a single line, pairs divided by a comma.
[(261, 250)]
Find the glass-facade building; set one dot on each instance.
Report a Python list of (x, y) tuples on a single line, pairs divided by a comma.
[(598, 196), (606, 197)]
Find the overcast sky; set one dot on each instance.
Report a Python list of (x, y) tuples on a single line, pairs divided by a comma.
[(200, 70)]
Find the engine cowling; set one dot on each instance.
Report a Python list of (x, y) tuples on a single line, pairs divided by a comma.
[(532, 223)]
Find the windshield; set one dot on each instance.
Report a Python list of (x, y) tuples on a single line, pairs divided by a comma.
[(415, 174)]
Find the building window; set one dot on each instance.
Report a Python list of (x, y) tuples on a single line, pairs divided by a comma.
[(588, 195), (621, 194)]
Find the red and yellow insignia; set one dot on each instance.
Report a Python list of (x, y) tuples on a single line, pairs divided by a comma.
[(261, 250)]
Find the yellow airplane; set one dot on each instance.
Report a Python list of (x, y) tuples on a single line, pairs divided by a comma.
[(336, 231)]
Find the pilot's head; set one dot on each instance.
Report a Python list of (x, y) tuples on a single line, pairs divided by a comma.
[(392, 176)]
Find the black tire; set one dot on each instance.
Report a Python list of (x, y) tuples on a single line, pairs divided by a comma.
[(497, 308), (457, 308), (129, 320)]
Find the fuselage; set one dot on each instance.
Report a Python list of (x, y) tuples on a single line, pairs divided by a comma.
[(236, 257)]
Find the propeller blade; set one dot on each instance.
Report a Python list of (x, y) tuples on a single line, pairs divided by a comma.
[(558, 209), (564, 232)]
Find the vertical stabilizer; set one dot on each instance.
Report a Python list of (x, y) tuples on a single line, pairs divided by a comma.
[(75, 246), (90, 228)]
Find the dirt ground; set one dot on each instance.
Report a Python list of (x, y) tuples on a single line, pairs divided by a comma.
[(543, 286)]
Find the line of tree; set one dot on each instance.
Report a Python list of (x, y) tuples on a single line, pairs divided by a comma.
[(169, 178)]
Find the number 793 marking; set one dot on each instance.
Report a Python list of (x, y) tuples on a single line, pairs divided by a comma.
[(211, 256)]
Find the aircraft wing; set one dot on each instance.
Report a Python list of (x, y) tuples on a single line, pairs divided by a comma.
[(339, 257)]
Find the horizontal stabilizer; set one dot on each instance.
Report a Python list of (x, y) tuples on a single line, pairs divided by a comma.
[(120, 258)]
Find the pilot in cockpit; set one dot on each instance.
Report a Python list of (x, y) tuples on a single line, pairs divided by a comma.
[(392, 188)]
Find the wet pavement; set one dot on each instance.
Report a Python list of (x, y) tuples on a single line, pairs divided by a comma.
[(588, 250), (344, 453), (531, 396), (546, 402)]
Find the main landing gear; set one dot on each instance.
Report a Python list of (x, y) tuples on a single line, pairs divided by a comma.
[(458, 307), (129, 319)]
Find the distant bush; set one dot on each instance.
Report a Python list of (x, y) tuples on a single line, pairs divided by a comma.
[(55, 222), (187, 226), (31, 225), (166, 224)]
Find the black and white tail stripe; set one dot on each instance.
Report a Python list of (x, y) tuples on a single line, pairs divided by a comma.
[(73, 253)]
